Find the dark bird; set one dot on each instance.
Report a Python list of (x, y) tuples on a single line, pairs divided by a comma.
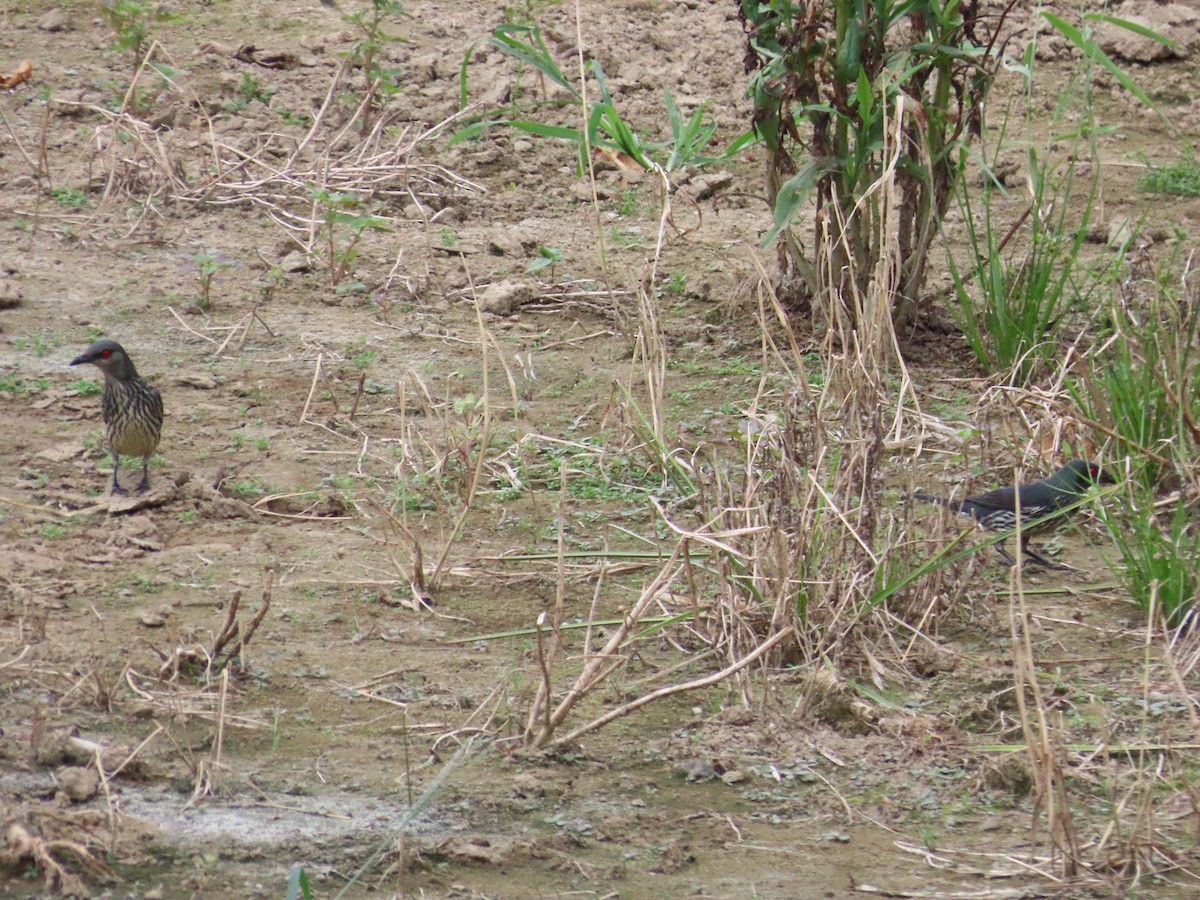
[(133, 410), (997, 510)]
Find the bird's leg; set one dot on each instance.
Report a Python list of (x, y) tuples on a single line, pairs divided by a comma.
[(1042, 561), (116, 485), (1007, 556), (145, 485)]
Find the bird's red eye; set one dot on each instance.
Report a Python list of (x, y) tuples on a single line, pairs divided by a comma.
[(105, 354)]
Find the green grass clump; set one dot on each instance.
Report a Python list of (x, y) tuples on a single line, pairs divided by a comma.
[(1181, 179)]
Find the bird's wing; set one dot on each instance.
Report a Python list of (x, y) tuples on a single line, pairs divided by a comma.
[(1002, 498)]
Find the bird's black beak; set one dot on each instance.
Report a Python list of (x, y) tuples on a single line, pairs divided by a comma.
[(84, 358)]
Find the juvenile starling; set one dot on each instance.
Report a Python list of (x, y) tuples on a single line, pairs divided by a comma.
[(133, 410), (997, 510)]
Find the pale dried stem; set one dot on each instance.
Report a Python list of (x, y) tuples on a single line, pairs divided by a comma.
[(484, 441), (1041, 739), (139, 162), (600, 666), (547, 651), (715, 678)]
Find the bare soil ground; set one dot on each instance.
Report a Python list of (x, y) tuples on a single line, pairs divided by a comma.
[(316, 433)]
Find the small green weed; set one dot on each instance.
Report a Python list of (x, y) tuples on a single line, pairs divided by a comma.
[(604, 125), (86, 387), (130, 21), (71, 198), (631, 203), (342, 481), (13, 384), (252, 90), (1181, 179), (147, 585), (40, 346), (382, 81), (547, 257), (208, 263), (298, 887), (629, 238), (300, 120), (675, 285), (346, 221), (249, 487)]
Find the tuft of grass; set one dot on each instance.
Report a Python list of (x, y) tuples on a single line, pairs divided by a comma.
[(252, 90), (675, 285), (14, 385), (364, 358), (249, 487), (1160, 554), (71, 198), (1180, 179), (86, 387)]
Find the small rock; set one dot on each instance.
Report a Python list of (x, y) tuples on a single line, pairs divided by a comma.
[(52, 746), (424, 69), (504, 297), (1128, 45), (10, 295), (504, 244), (155, 618), (164, 121), (61, 452), (696, 770), (582, 191), (527, 785), (708, 185), (737, 715), (201, 381), (296, 262), (55, 20), (991, 823), (79, 784)]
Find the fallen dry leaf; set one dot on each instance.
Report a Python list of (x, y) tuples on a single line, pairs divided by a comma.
[(24, 73), (619, 159), (248, 53)]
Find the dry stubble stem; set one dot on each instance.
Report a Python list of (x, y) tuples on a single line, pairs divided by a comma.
[(673, 689), (485, 437)]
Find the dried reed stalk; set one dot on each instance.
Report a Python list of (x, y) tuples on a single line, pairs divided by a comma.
[(1042, 742)]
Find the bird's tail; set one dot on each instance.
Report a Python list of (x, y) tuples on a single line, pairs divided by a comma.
[(940, 501)]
